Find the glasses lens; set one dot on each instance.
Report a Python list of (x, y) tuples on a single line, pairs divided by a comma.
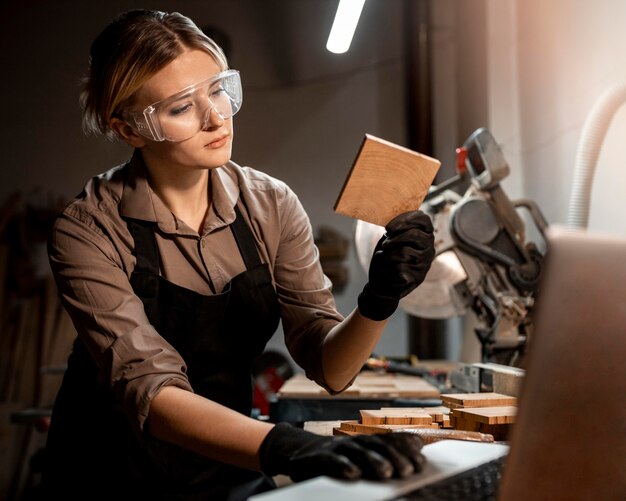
[(187, 113)]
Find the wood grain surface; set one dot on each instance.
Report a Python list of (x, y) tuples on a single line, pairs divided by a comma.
[(385, 181)]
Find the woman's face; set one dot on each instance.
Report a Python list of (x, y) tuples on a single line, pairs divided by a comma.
[(209, 148)]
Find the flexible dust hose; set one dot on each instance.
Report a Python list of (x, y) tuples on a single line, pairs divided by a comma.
[(593, 133)]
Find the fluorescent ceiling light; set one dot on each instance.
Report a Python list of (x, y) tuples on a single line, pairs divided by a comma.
[(346, 19)]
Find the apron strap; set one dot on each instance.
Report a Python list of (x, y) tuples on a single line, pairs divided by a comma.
[(146, 250), (245, 241)]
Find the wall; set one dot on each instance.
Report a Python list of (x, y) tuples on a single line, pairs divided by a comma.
[(530, 70), (304, 115), (549, 62)]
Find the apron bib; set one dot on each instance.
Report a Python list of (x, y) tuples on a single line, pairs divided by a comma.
[(218, 336)]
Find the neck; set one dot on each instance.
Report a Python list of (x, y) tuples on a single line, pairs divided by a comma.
[(186, 194)]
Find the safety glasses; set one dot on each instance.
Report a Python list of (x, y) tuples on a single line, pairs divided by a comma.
[(184, 114)]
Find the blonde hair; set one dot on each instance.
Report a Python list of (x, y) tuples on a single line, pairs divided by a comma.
[(130, 50)]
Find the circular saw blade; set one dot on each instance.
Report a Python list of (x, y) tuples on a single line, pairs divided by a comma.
[(437, 296), (366, 236)]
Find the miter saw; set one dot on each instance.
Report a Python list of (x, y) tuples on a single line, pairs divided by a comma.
[(485, 261)]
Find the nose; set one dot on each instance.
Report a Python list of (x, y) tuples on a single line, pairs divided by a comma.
[(213, 119), (216, 117)]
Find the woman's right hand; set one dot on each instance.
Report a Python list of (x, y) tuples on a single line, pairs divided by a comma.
[(301, 455)]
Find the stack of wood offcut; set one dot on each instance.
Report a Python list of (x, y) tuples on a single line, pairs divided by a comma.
[(482, 417), (491, 413)]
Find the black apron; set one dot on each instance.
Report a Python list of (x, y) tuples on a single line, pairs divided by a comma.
[(91, 450)]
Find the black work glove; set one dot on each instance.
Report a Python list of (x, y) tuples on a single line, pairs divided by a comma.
[(301, 455), (400, 261)]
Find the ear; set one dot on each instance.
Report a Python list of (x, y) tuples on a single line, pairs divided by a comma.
[(126, 133)]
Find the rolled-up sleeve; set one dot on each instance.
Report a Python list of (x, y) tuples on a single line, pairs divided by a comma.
[(94, 287), (137, 380), (308, 307)]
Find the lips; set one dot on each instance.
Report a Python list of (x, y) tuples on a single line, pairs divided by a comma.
[(218, 143)]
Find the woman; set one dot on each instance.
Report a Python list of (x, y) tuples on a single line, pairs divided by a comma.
[(176, 268)]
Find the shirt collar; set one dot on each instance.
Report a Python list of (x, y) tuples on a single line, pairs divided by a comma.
[(139, 201), (224, 196)]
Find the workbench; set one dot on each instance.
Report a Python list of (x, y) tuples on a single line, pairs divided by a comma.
[(300, 399)]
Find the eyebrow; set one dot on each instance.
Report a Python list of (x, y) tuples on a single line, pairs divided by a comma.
[(185, 95), (213, 80)]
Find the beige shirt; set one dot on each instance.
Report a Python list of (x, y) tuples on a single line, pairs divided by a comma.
[(91, 255)]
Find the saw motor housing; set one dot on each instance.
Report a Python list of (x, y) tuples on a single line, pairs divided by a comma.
[(485, 261), (485, 232)]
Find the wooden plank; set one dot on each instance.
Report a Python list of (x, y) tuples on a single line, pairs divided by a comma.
[(488, 399), (372, 429), (364, 386), (488, 415), (340, 432), (373, 416), (299, 386), (385, 180), (409, 418), (400, 416), (413, 386), (428, 435), (321, 427), (437, 413)]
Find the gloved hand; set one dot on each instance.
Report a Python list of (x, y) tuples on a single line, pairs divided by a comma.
[(301, 454), (400, 261)]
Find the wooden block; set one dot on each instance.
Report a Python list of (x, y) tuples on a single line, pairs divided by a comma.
[(436, 413), (372, 416), (488, 415), (385, 180), (465, 400), (465, 424), (460, 422), (429, 436), (321, 427), (414, 415), (439, 413), (357, 427), (417, 419), (339, 431), (498, 431), (372, 429), (403, 416)]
